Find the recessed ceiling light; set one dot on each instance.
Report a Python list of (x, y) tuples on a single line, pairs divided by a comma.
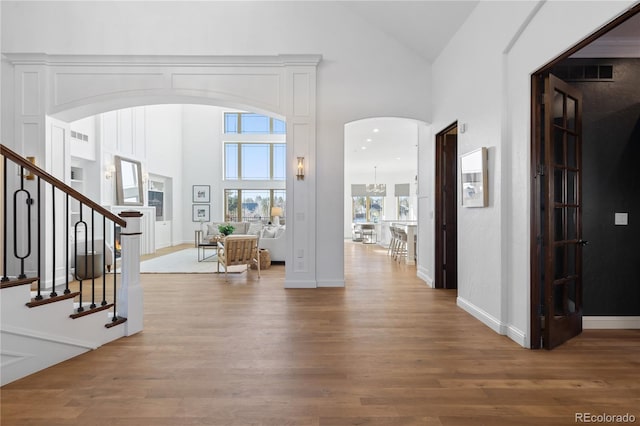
[(364, 147), (397, 158), (376, 130), (369, 139)]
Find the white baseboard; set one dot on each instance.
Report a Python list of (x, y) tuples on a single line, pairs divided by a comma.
[(331, 283), (300, 284), (423, 274), (610, 323), (493, 323)]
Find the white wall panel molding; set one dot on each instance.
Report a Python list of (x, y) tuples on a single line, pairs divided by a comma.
[(261, 89), (73, 87), (300, 101)]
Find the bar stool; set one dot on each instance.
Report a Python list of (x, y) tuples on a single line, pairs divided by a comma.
[(401, 247), (369, 235)]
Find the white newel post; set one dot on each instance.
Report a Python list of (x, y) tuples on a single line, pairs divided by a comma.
[(130, 300)]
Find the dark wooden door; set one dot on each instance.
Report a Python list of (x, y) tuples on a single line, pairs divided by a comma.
[(446, 274), (562, 231)]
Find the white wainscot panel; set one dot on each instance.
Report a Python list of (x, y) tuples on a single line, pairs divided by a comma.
[(260, 89), (301, 94), (30, 93), (71, 87)]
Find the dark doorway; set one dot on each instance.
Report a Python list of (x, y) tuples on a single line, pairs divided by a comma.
[(558, 289), (446, 211)]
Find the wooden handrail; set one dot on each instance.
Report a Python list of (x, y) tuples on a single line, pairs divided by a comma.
[(16, 158)]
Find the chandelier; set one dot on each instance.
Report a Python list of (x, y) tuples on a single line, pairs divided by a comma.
[(376, 188)]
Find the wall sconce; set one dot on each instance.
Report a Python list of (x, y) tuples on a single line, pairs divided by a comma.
[(300, 169), (110, 171)]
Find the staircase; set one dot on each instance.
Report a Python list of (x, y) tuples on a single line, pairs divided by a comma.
[(52, 306)]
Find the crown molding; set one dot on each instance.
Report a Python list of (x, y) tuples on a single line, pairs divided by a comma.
[(155, 60)]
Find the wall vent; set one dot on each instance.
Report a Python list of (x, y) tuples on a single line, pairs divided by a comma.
[(79, 136), (587, 72)]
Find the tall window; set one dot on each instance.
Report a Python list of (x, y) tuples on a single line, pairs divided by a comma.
[(252, 205), (254, 161), (250, 123), (367, 209)]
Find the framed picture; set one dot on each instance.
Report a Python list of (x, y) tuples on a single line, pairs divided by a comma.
[(473, 171), (201, 213), (201, 194)]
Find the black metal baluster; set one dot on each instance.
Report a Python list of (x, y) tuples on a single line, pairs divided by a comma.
[(66, 245), (115, 306), (78, 277), (53, 243), (93, 260), (39, 240), (4, 251), (104, 260), (15, 224)]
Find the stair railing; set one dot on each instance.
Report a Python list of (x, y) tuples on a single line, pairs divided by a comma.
[(17, 193)]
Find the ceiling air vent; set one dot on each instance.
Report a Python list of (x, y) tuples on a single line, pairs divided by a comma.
[(584, 72)]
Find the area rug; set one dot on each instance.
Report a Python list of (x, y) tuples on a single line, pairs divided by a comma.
[(185, 262)]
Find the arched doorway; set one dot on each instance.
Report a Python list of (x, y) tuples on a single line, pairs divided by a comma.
[(70, 87), (381, 180)]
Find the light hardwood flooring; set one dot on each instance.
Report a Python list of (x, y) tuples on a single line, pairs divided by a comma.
[(385, 350)]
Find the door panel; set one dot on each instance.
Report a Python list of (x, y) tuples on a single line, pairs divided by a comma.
[(446, 274), (562, 247)]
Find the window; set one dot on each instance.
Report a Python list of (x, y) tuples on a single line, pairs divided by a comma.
[(252, 205), (367, 209), (250, 123), (254, 161)]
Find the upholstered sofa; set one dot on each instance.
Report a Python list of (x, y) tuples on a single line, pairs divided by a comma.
[(273, 239), (251, 228)]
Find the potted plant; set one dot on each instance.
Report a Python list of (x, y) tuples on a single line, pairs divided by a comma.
[(226, 229)]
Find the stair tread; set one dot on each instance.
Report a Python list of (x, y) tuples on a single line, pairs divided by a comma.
[(47, 300), (18, 281)]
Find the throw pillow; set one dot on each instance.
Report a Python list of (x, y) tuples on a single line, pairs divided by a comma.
[(269, 232), (254, 228), (212, 229)]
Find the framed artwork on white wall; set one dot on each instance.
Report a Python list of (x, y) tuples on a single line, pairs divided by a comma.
[(201, 193), (473, 173), (201, 213)]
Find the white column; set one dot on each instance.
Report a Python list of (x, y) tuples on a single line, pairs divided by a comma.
[(130, 297)]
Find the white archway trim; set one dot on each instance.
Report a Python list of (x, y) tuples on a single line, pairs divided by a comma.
[(69, 87)]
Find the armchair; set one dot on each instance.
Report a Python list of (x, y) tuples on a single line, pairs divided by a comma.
[(238, 250)]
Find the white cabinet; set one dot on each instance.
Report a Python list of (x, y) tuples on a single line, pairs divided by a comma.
[(163, 234)]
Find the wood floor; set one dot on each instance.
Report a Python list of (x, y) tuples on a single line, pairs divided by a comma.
[(385, 350)]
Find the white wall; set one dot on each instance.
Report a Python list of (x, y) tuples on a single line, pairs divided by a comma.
[(364, 73), (151, 135), (164, 141), (483, 79)]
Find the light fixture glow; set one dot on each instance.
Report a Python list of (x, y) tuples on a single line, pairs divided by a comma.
[(300, 168), (375, 187), (110, 170)]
